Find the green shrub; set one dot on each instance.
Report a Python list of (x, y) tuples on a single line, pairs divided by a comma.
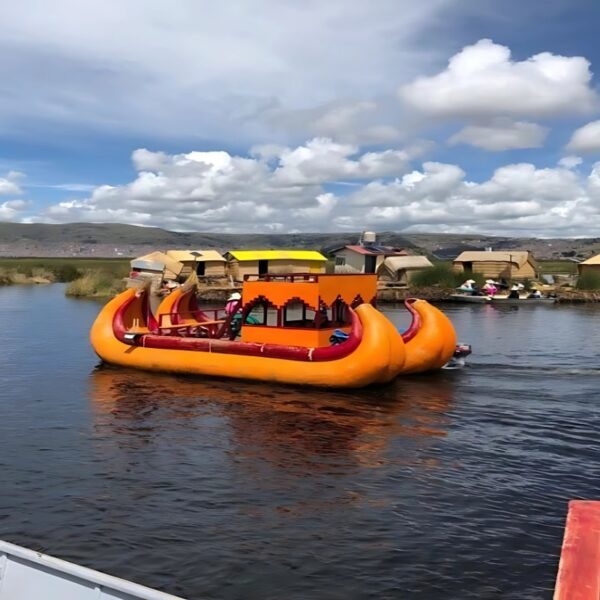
[(588, 281), (95, 284), (66, 272), (5, 277), (442, 275)]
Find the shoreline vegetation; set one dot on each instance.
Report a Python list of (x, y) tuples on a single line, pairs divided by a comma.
[(104, 277), (85, 277)]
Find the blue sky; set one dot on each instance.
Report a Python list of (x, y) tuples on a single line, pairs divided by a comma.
[(446, 115)]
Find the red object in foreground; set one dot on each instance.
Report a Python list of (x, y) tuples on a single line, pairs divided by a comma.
[(579, 569)]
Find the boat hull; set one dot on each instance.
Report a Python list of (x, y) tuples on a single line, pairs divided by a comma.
[(522, 301), (28, 574), (378, 358), (470, 299)]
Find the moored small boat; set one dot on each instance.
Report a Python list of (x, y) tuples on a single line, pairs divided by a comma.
[(29, 575), (470, 299), (522, 300)]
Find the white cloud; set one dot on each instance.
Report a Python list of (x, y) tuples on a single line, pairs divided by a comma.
[(322, 160), (502, 134), (217, 191), (483, 81), (72, 187), (570, 162), (206, 70), (355, 122), (518, 199), (11, 209), (586, 138), (220, 192), (9, 185)]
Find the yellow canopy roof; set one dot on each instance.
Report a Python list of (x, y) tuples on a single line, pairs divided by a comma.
[(187, 256), (308, 255)]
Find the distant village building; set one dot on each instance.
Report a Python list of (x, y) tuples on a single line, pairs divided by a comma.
[(206, 263), (156, 264), (517, 264), (365, 257), (591, 265), (402, 268), (261, 262)]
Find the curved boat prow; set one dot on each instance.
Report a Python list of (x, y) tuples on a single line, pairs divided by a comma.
[(102, 335), (430, 340)]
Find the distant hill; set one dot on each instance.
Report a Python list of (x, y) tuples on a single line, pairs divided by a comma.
[(107, 240)]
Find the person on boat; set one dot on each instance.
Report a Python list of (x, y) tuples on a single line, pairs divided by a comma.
[(467, 286), (167, 287), (489, 288), (233, 310), (535, 294), (514, 292), (234, 304)]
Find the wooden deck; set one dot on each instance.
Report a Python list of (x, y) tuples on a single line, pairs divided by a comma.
[(579, 569)]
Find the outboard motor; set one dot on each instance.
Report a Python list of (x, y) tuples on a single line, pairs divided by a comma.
[(462, 350), (459, 357)]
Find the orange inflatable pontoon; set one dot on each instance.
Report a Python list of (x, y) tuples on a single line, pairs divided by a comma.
[(310, 329)]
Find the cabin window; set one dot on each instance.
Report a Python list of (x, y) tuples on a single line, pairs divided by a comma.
[(200, 269), (295, 314), (340, 261), (263, 312)]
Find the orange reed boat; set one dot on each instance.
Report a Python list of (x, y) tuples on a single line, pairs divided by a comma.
[(309, 329)]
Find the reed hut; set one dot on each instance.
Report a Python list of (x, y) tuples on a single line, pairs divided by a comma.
[(508, 265), (402, 268), (591, 265), (206, 263), (156, 264)]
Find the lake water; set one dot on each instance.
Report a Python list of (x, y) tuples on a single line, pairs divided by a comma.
[(452, 485)]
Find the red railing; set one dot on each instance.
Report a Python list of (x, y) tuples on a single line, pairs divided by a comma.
[(293, 277), (213, 328)]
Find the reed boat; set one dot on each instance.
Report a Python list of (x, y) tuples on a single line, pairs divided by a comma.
[(29, 575), (308, 329)]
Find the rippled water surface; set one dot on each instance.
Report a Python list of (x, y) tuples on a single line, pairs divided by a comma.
[(452, 485)]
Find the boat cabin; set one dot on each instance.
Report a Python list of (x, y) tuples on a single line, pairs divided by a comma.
[(301, 309)]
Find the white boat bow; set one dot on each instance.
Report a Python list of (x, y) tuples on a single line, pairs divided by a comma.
[(29, 575)]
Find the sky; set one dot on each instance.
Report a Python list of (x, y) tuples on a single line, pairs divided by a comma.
[(454, 116)]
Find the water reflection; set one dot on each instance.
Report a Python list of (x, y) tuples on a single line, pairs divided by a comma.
[(446, 486), (287, 426)]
